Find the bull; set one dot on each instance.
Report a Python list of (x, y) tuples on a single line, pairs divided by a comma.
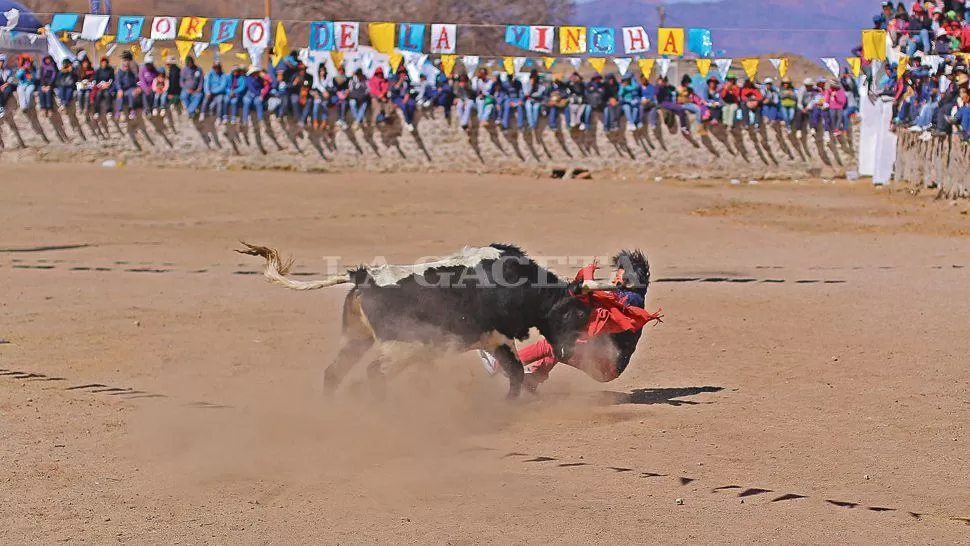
[(479, 298)]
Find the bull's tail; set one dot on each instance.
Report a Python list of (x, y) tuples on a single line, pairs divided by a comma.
[(277, 269)]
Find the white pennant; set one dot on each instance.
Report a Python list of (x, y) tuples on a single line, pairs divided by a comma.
[(832, 65), (111, 49), (55, 48), (199, 47), (876, 68), (13, 18), (622, 64), (75, 35), (93, 27), (255, 55), (775, 63), (518, 63), (32, 38), (576, 62), (470, 62), (146, 44), (723, 67), (663, 65)]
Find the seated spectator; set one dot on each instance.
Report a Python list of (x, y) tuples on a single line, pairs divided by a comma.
[(160, 94), (174, 80), (557, 103), (322, 94), (788, 101), (380, 90), (26, 79), (104, 78), (146, 79), (402, 95), (535, 96), (596, 100), (216, 86), (359, 96), (46, 77), (630, 102), (611, 93), (731, 100), (444, 95), (235, 95), (8, 84), (193, 89), (578, 109), (667, 100), (712, 99), (751, 99), (771, 104), (340, 97), (127, 95), (648, 102), (65, 85), (85, 85), (258, 86)]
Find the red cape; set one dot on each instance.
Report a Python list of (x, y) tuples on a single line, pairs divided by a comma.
[(610, 315)]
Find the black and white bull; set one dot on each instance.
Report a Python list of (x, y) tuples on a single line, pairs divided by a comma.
[(479, 298)]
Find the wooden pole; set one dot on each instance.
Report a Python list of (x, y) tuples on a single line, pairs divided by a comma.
[(268, 9)]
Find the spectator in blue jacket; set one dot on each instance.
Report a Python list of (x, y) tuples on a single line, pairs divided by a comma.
[(191, 82), (514, 102), (630, 95), (127, 93), (401, 96), (237, 90), (257, 90), (444, 95), (215, 87)]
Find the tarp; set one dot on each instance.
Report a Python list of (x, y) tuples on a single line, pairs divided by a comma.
[(28, 21)]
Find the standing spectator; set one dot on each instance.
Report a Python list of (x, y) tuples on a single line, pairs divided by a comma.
[(380, 90), (191, 83), (104, 79), (46, 76), (160, 94), (146, 81), (535, 95), (257, 90), (359, 96), (402, 96), (216, 86), (8, 84), (126, 86), (464, 101), (85, 84), (836, 100), (578, 109), (514, 101), (174, 81), (789, 102), (65, 85), (630, 102)]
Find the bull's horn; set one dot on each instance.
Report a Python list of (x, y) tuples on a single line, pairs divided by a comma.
[(592, 286), (276, 270)]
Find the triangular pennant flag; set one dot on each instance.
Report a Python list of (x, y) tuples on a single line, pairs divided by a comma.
[(622, 64), (783, 67), (832, 65), (105, 40), (337, 57), (146, 44), (663, 65), (255, 55), (64, 36), (135, 50), (509, 64), (775, 63), (199, 47), (518, 63), (183, 47), (75, 36), (225, 48), (576, 62), (470, 62), (422, 60), (382, 36), (901, 67), (855, 63), (111, 49), (876, 68), (280, 44), (704, 66), (32, 38), (646, 67), (94, 27), (723, 67), (598, 64), (448, 64), (395, 58), (13, 19), (750, 67), (164, 52), (243, 57), (548, 62)]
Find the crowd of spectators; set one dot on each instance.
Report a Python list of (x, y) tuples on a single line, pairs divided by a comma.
[(930, 91), (315, 98)]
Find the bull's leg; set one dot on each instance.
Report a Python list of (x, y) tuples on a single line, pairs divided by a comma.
[(513, 367), (358, 337), (392, 360)]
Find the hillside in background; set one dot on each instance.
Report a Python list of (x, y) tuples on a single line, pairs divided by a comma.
[(813, 29)]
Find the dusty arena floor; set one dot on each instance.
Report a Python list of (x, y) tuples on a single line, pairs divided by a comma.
[(809, 383)]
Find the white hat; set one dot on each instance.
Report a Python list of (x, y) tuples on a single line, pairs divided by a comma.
[(809, 81), (769, 80), (149, 59)]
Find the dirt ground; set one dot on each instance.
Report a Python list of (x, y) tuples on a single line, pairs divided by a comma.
[(809, 383)]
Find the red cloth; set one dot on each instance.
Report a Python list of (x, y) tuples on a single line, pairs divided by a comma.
[(611, 315)]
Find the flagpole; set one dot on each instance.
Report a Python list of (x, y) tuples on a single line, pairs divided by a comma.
[(267, 4)]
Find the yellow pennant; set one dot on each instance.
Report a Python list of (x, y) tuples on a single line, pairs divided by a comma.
[(244, 57), (646, 67), (750, 67), (448, 64), (338, 58), (191, 27), (381, 36), (598, 64), (703, 66), (874, 45), (509, 64), (549, 61), (901, 67), (183, 47), (225, 48), (395, 59), (135, 51), (856, 64), (165, 52), (64, 36), (105, 40), (280, 45), (783, 67)]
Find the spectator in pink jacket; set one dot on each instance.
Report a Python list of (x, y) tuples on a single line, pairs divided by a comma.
[(146, 79), (379, 88), (836, 100)]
